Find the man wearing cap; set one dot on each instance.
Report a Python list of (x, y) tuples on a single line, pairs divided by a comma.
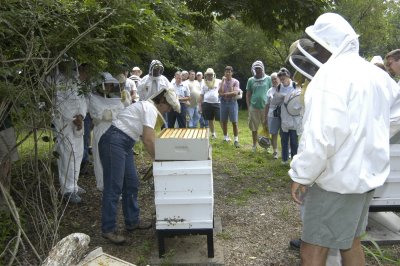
[(133, 124), (136, 71), (228, 90), (152, 82), (209, 103), (344, 149), (291, 125), (256, 98)]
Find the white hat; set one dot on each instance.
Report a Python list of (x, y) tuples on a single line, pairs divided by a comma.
[(209, 71), (199, 73), (171, 98), (377, 59), (257, 64), (332, 31), (137, 69)]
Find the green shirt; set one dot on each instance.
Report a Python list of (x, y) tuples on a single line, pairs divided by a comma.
[(258, 89)]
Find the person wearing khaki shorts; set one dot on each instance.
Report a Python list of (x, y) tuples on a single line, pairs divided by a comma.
[(256, 98), (344, 148), (333, 219)]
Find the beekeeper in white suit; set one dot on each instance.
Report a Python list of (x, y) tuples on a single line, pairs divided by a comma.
[(344, 149), (103, 108), (152, 82), (70, 110)]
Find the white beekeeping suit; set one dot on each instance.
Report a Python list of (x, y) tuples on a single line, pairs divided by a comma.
[(152, 82), (69, 146), (349, 105), (102, 110)]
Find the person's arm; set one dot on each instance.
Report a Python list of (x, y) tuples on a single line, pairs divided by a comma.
[(148, 138), (248, 94), (221, 87), (201, 99), (266, 110)]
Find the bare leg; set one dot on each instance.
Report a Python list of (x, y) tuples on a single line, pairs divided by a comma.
[(313, 255), (224, 126), (235, 129), (353, 256), (211, 126), (274, 142), (254, 135)]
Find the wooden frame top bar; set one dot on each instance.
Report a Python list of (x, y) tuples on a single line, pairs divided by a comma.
[(183, 133)]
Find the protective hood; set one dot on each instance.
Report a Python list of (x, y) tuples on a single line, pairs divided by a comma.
[(334, 33), (156, 64), (258, 64), (170, 96), (330, 36)]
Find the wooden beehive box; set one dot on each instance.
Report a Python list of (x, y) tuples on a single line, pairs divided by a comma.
[(182, 144), (389, 192), (184, 194)]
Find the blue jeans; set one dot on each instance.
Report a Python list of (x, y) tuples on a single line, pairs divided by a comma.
[(194, 116), (294, 144), (229, 109), (120, 177), (203, 122), (175, 116)]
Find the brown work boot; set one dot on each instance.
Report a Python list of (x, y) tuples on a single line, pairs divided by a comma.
[(139, 226), (114, 238)]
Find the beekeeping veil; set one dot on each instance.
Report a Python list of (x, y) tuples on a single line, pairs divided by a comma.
[(156, 68), (170, 96), (330, 36)]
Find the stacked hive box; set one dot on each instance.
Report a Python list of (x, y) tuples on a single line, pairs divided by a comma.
[(387, 197), (183, 180)]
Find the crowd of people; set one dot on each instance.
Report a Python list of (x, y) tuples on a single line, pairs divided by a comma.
[(344, 122)]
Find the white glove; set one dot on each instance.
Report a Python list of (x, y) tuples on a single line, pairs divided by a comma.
[(173, 100), (107, 115), (126, 98)]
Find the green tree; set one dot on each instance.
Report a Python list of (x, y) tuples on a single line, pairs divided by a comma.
[(272, 16), (373, 20)]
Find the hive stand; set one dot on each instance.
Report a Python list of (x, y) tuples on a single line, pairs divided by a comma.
[(163, 233)]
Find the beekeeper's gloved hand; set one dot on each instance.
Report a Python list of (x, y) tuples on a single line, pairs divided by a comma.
[(107, 115), (126, 98)]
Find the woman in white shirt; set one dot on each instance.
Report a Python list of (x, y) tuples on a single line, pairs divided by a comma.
[(209, 103), (134, 123)]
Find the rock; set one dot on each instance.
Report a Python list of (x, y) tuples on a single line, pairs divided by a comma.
[(69, 251)]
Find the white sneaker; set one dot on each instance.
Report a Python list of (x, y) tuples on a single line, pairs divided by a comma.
[(213, 136), (254, 148), (285, 162), (275, 154)]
